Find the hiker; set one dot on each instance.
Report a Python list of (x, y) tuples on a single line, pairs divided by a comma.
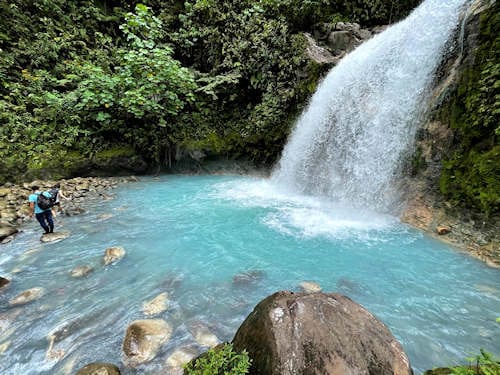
[(56, 192), (44, 217)]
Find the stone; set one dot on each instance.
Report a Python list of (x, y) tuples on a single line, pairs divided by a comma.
[(104, 217), (27, 296), (3, 282), (319, 54), (248, 277), (204, 337), (318, 333), (4, 346), (113, 254), (54, 237), (310, 287), (6, 231), (340, 41), (443, 229), (143, 339), (157, 305), (99, 368), (81, 271), (179, 358)]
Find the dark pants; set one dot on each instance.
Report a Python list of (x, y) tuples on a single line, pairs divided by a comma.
[(45, 220)]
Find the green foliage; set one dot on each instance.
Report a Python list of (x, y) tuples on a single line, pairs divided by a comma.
[(482, 364), (471, 176), (78, 77), (219, 361)]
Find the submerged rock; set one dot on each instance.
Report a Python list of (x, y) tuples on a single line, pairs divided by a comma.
[(157, 305), (113, 254), (179, 358), (4, 346), (104, 217), (56, 236), (204, 337), (99, 369), (143, 339), (27, 296), (321, 333), (248, 277), (81, 271), (310, 287)]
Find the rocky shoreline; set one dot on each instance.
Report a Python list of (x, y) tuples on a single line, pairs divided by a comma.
[(14, 207)]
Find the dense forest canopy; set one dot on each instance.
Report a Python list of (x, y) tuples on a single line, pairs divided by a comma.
[(84, 79)]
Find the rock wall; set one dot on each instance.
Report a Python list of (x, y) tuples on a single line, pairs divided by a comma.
[(465, 219)]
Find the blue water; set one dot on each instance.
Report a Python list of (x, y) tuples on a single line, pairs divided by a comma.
[(190, 235)]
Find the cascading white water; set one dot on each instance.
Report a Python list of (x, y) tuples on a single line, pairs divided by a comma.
[(350, 142)]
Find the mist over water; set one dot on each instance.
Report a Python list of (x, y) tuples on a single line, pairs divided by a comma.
[(351, 141)]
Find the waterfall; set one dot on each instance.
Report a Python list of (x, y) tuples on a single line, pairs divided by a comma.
[(350, 143)]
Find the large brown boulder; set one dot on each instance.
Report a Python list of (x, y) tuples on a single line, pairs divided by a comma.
[(143, 339), (318, 333), (6, 230)]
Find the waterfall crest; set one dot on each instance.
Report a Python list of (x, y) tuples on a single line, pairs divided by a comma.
[(348, 145)]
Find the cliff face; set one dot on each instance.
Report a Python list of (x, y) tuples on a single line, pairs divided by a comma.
[(455, 185)]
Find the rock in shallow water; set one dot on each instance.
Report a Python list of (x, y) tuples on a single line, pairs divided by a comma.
[(143, 339), (113, 254), (179, 358), (81, 271), (56, 236), (204, 337), (157, 305), (310, 287), (320, 333), (27, 296), (6, 231), (3, 282), (99, 369)]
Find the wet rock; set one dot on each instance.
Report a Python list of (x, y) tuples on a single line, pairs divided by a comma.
[(73, 211), (4, 346), (3, 282), (81, 271), (320, 333), (143, 339), (204, 337), (54, 237), (319, 54), (6, 231), (443, 229), (310, 287), (157, 305), (113, 254), (104, 217), (99, 369), (6, 320), (248, 277), (179, 358), (27, 296)]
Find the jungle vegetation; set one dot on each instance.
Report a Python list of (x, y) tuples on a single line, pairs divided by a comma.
[(83, 80)]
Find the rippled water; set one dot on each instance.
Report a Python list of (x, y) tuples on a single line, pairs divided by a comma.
[(190, 236)]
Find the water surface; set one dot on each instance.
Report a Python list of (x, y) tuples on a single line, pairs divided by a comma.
[(191, 235)]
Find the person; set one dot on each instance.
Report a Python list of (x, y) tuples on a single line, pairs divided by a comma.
[(56, 192), (44, 217)]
